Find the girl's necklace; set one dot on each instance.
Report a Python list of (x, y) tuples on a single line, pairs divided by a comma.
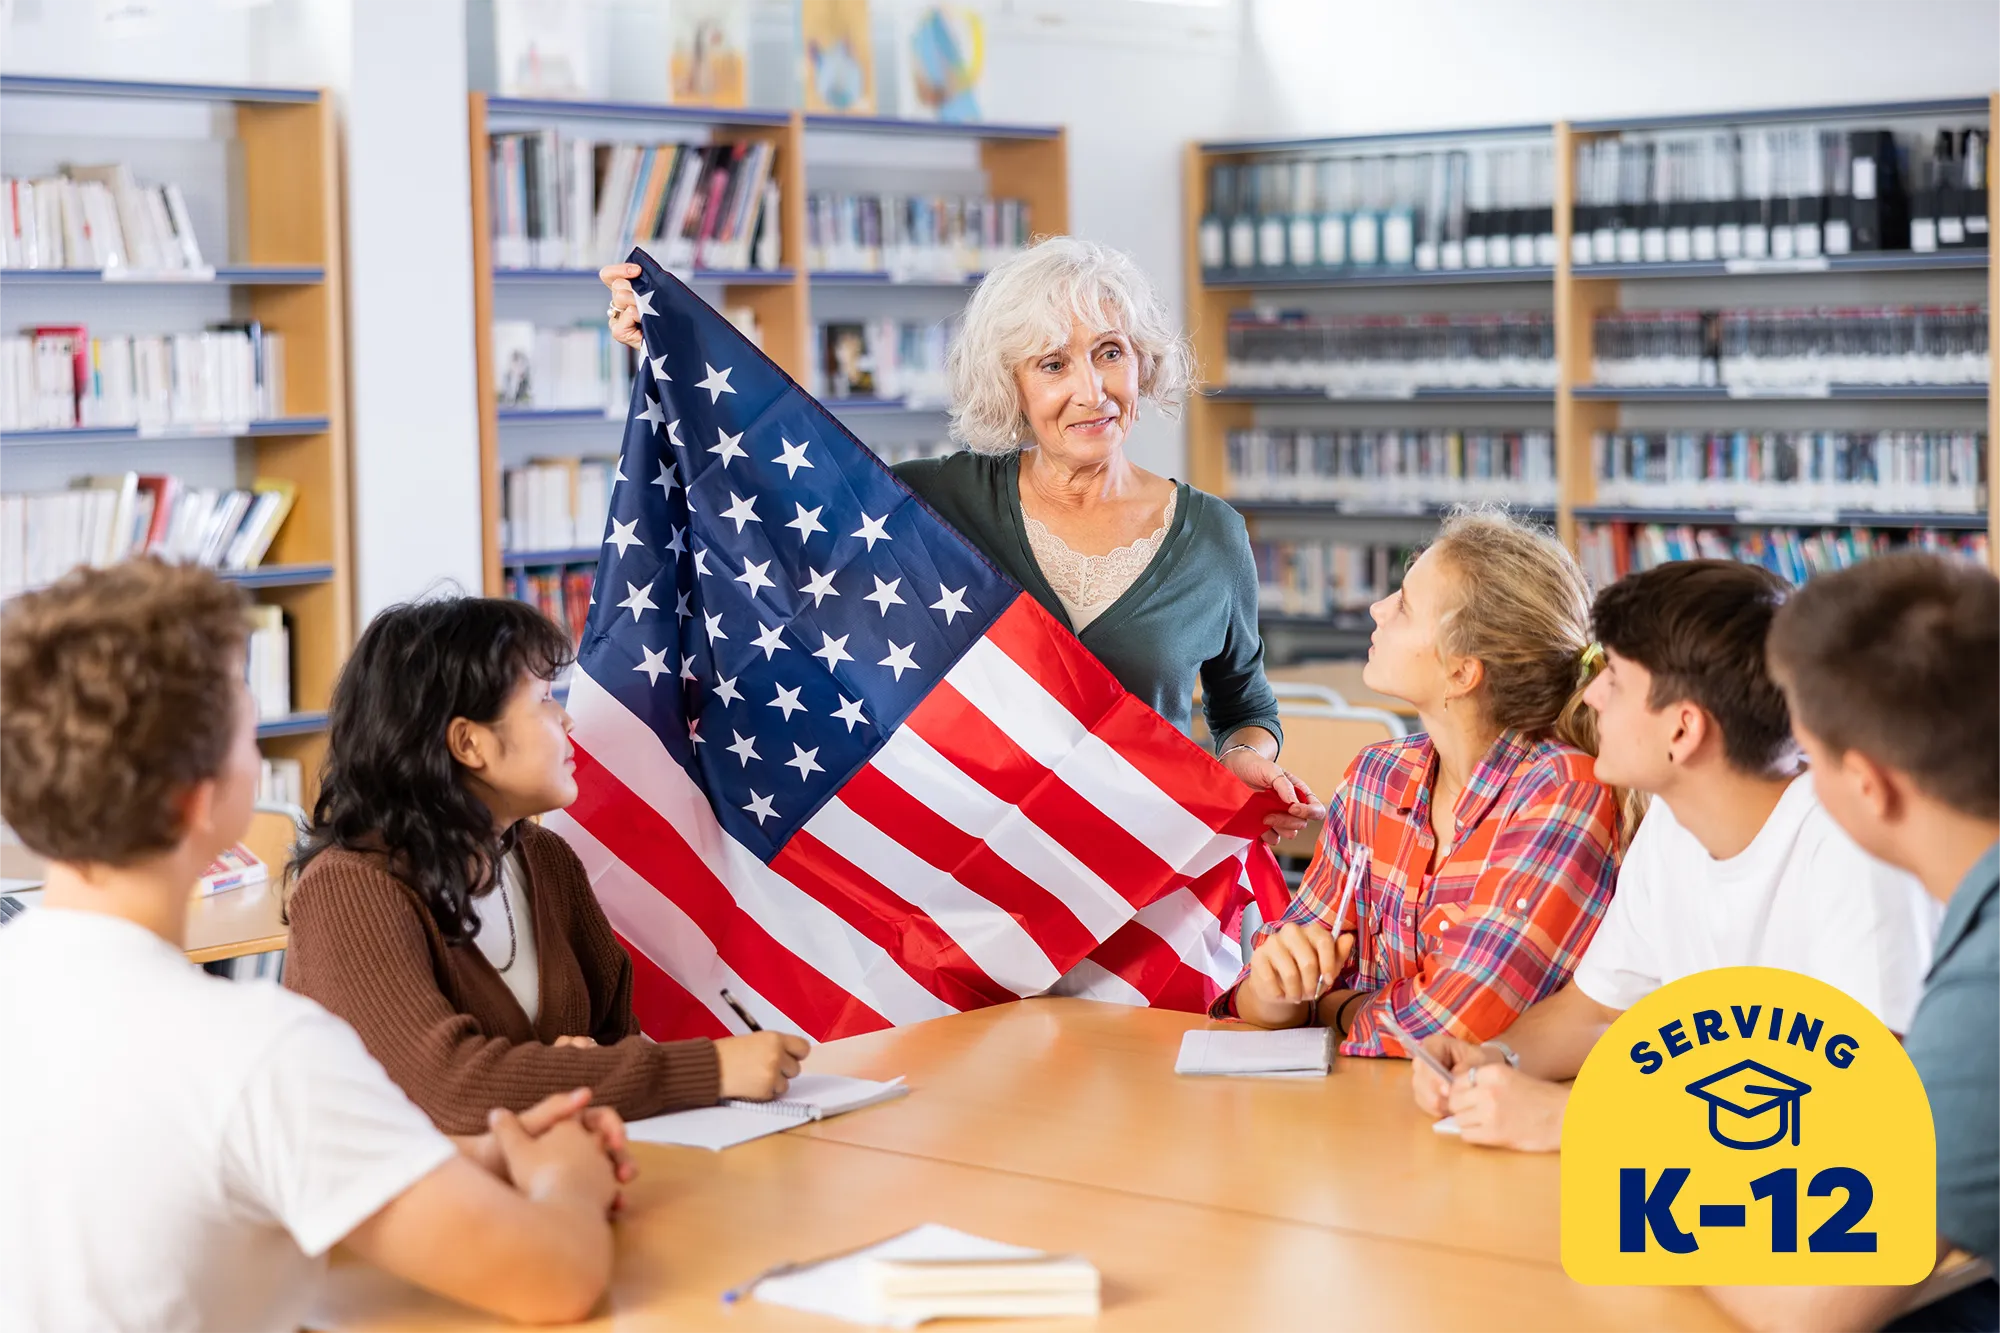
[(508, 907)]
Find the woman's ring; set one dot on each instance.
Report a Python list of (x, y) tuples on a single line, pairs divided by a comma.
[(611, 312)]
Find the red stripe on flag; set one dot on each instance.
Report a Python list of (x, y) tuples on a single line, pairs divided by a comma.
[(1083, 685), (1046, 918), (644, 840), (980, 749), (902, 930), (1148, 962), (664, 1008)]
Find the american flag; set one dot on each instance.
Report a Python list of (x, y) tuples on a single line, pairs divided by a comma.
[(831, 759)]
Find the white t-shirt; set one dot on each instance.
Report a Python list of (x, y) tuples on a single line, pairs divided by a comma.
[(1801, 896), (507, 935), (177, 1151)]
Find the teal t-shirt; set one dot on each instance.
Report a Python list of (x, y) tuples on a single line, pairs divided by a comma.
[(1954, 1041)]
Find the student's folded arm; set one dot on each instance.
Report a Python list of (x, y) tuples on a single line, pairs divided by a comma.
[(1547, 880), (439, 1056)]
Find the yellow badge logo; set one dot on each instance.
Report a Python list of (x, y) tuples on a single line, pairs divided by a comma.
[(1748, 1125)]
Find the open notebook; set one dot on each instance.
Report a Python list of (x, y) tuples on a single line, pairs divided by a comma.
[(934, 1272), (810, 1097)]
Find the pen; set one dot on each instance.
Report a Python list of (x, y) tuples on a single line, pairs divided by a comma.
[(1356, 872), (1417, 1052), (740, 1011)]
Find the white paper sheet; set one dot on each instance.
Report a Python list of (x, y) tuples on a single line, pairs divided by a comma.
[(839, 1287), (1293, 1052), (725, 1126)]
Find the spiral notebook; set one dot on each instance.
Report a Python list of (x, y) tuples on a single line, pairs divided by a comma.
[(810, 1097)]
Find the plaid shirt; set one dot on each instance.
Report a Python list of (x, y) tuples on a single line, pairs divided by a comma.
[(1498, 924)]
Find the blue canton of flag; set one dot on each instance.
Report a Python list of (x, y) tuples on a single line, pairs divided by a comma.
[(770, 601)]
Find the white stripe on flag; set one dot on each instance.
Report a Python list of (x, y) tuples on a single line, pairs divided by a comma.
[(1089, 981), (1194, 934), (654, 924), (631, 753), (1015, 701), (909, 761), (990, 936)]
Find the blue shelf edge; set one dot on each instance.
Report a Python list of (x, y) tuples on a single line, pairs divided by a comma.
[(1346, 140), (277, 576), (176, 92), (295, 724), (741, 277), (951, 129), (1436, 395), (579, 555), (1342, 509), (863, 278), (553, 108), (1939, 106), (231, 275), (552, 414), (131, 434), (1850, 393), (1335, 622), (1775, 518), (1897, 261), (839, 405), (1238, 279)]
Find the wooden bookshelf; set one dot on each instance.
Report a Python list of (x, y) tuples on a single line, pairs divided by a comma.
[(1029, 162), (1577, 294), (282, 267)]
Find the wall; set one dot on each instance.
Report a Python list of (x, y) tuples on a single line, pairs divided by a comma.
[(1355, 66)]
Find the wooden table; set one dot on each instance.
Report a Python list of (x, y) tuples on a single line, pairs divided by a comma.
[(1211, 1204)]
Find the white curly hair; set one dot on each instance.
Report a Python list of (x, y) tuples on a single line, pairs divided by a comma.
[(1028, 305)]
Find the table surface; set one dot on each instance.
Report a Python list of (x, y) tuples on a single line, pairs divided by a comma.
[(1059, 1123)]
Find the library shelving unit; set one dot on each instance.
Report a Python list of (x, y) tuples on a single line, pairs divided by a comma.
[(1027, 162), (1577, 293), (277, 243)]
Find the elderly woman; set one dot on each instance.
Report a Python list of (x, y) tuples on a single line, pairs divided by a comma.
[(1059, 345)]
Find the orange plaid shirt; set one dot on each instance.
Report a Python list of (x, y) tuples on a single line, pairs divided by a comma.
[(1463, 947)]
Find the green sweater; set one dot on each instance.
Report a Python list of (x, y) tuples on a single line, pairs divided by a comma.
[(1193, 611)]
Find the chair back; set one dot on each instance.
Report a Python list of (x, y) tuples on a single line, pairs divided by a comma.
[(274, 827)]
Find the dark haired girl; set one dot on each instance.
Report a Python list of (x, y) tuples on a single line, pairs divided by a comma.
[(457, 936)]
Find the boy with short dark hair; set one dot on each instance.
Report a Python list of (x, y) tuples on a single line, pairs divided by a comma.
[(1735, 863), (178, 1151), (1892, 669)]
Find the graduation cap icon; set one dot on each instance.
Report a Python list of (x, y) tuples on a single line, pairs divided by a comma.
[(1741, 1097)]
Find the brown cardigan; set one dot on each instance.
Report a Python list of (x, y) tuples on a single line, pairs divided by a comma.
[(444, 1024)]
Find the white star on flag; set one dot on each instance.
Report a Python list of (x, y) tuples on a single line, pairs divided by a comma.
[(638, 599), (645, 300), (804, 760), (760, 806), (787, 701), (899, 659), (772, 640), (754, 576), (622, 535), (666, 481), (659, 364), (694, 732), (674, 433), (717, 383), (951, 601), (655, 665), (834, 650), (728, 446), (807, 522), (701, 561), (677, 543), (849, 712), (745, 748), (687, 668), (652, 414), (725, 688), (714, 624), (681, 611), (742, 509), (617, 471), (819, 587), (885, 595), (872, 532), (792, 456)]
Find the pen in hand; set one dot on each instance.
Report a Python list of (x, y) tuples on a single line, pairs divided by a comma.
[(741, 1012)]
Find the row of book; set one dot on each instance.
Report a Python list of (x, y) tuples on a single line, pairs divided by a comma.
[(1609, 551), (57, 376), (1394, 469), (267, 967), (1484, 205), (1782, 192), (556, 504), (282, 782), (912, 236), (102, 520), (560, 592), (267, 663), (564, 201), (96, 217), (1323, 578), (1792, 349), (577, 366), (1390, 354), (1794, 471), (880, 358)]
